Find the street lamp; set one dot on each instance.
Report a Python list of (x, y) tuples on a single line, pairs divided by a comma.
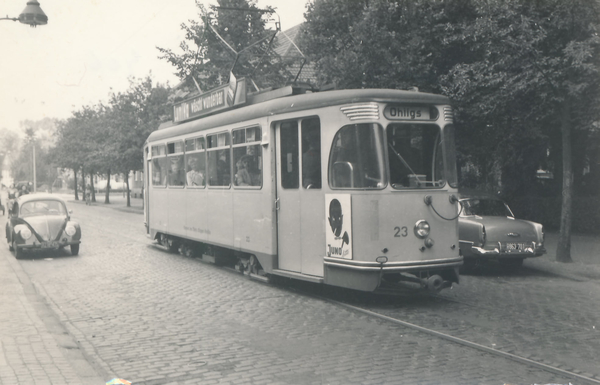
[(32, 15)]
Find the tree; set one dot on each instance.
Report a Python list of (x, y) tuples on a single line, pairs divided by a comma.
[(517, 72), (79, 141), (134, 114), (38, 136), (208, 52), (536, 72), (9, 141)]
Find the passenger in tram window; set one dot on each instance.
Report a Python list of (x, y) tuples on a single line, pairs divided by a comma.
[(254, 165), (176, 172), (242, 177), (195, 177), (311, 159), (223, 172)]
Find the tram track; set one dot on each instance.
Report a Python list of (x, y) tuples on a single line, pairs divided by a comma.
[(495, 352), (569, 373)]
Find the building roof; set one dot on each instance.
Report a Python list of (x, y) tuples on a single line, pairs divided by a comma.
[(286, 46)]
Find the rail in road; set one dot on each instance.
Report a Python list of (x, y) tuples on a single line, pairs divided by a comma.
[(160, 318)]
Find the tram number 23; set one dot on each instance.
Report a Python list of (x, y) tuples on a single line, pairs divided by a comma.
[(400, 231)]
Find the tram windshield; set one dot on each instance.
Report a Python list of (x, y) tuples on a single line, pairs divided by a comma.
[(419, 156), (416, 156), (356, 159)]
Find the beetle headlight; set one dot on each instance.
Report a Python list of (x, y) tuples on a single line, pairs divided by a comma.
[(70, 230), (24, 232), (422, 229)]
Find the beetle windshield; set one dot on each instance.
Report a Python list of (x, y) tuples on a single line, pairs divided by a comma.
[(43, 207)]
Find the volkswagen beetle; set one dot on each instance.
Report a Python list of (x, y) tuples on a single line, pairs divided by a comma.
[(488, 230), (41, 222)]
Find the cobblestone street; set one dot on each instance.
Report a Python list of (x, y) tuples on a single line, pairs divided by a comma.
[(136, 312)]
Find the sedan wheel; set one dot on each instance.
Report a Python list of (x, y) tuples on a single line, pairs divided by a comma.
[(75, 249)]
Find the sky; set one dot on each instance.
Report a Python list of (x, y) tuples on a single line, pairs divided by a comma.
[(90, 48)]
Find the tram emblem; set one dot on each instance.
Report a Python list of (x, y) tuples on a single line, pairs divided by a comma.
[(338, 210)]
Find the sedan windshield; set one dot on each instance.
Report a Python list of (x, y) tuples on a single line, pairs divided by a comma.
[(486, 207), (43, 207)]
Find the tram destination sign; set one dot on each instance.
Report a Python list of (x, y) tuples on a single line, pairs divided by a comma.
[(406, 112), (210, 102)]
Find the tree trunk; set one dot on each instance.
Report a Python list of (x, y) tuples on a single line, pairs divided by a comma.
[(75, 181), (563, 250), (107, 194), (93, 192), (128, 193), (83, 186)]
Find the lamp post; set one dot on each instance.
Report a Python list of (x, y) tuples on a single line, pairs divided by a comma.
[(34, 177), (31, 15)]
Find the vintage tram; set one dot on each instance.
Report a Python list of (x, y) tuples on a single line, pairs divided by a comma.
[(351, 188)]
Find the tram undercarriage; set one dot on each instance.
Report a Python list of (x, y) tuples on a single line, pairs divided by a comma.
[(432, 280)]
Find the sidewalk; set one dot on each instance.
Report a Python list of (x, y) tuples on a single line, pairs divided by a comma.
[(117, 201), (585, 252), (35, 348)]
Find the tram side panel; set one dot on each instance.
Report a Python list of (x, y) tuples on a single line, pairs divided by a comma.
[(252, 215), (176, 209), (158, 202), (195, 211)]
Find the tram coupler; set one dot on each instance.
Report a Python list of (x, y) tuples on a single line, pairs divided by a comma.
[(436, 283)]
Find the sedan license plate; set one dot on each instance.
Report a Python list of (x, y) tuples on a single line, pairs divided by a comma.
[(515, 246), (49, 244)]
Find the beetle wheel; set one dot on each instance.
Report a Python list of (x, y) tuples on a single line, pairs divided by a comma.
[(18, 252), (75, 249)]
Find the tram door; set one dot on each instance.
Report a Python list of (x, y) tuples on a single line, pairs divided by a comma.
[(300, 201)]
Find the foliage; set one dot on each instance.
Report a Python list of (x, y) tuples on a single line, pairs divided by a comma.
[(38, 134), (546, 210), (132, 116), (208, 59)]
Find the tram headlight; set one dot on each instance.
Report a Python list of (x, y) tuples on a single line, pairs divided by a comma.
[(422, 229)]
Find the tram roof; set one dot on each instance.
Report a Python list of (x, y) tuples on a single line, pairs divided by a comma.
[(294, 103)]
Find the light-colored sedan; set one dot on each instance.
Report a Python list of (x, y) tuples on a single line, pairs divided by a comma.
[(41, 222), (488, 230)]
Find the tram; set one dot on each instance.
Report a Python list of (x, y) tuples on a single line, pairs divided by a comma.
[(350, 188)]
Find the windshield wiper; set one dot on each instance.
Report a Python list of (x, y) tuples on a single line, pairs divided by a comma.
[(405, 163)]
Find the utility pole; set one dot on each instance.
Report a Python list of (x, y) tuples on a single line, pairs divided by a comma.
[(34, 179)]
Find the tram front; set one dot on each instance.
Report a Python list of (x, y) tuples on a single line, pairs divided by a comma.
[(392, 209)]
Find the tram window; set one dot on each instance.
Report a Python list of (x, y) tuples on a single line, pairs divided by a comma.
[(195, 161), (289, 155), (159, 171), (176, 173), (158, 150), (356, 159), (311, 153), (219, 160), (415, 155), (247, 157)]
